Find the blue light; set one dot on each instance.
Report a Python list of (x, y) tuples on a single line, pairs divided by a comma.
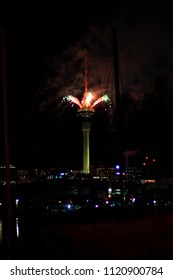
[(117, 167)]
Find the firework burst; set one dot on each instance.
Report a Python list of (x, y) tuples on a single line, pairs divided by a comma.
[(88, 102)]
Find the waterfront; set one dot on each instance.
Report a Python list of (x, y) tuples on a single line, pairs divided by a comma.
[(64, 219)]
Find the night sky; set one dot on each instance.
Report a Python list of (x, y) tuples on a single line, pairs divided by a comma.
[(45, 62)]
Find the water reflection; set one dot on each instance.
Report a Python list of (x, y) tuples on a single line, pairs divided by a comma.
[(17, 229)]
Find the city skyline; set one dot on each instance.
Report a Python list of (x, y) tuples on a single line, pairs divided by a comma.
[(68, 185)]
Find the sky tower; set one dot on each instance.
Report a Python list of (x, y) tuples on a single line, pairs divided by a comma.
[(86, 111), (86, 115)]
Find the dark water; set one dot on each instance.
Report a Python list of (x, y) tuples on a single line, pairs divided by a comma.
[(91, 235)]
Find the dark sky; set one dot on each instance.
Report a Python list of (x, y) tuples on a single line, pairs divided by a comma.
[(44, 58)]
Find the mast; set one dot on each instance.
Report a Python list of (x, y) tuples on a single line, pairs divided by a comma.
[(86, 74), (118, 113), (9, 234)]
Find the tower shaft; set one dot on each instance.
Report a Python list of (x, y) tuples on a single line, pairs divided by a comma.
[(86, 147), (86, 115)]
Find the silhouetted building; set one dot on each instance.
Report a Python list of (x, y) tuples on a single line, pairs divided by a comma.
[(105, 172), (132, 166), (22, 177), (13, 174)]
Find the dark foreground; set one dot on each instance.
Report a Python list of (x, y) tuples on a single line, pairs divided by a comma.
[(95, 235)]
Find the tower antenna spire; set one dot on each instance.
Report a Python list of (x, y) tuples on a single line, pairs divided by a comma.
[(86, 73)]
